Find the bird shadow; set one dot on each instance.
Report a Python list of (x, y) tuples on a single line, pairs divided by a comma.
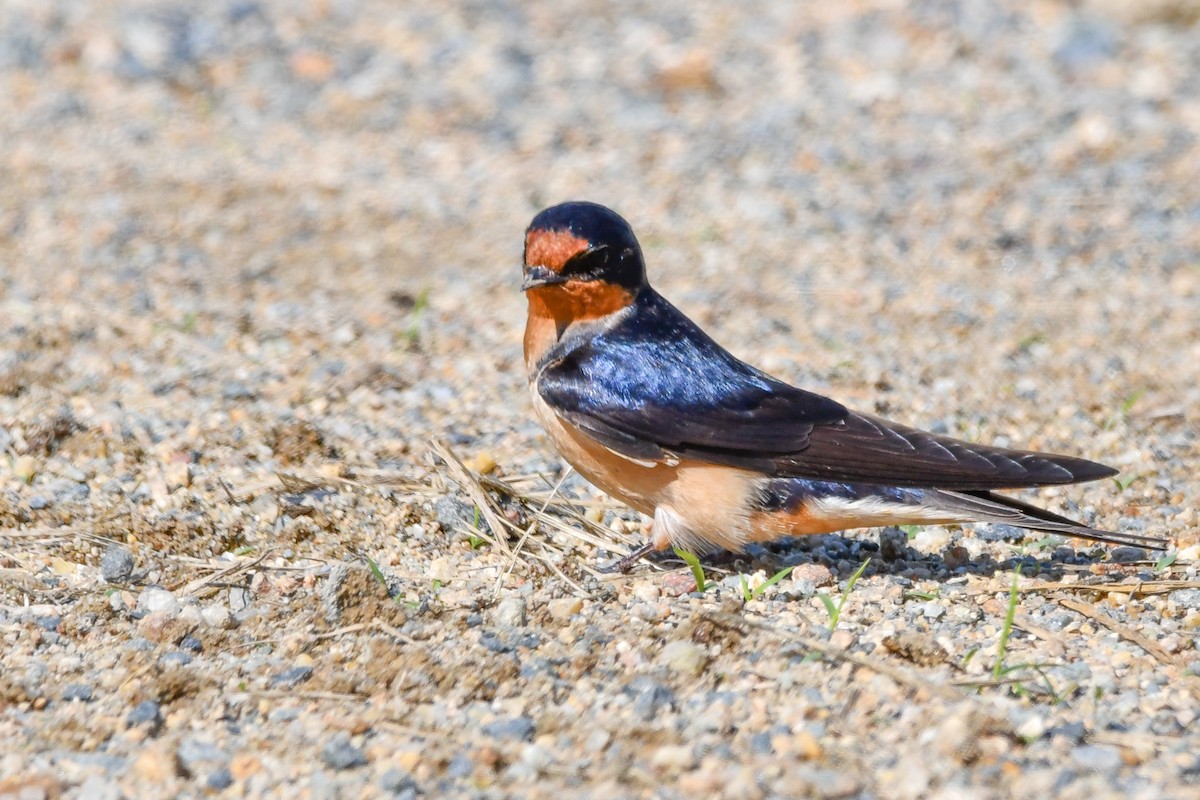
[(890, 554)]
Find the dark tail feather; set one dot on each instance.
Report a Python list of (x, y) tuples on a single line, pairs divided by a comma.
[(993, 507)]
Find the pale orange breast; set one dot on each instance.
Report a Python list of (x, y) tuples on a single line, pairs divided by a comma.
[(639, 484)]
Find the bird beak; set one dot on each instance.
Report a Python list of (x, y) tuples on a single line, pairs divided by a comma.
[(540, 276)]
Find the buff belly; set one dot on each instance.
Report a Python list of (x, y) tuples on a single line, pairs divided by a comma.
[(694, 504), (700, 506)]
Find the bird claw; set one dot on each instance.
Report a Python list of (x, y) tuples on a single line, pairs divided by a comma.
[(624, 564)]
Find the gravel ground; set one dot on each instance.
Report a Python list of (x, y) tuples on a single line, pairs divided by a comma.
[(258, 256)]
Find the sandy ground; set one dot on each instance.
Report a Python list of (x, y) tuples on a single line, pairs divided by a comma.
[(257, 257)]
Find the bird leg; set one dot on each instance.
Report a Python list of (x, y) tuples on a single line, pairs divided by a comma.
[(626, 563), (668, 529)]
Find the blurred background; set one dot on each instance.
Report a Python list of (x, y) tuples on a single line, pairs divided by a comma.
[(981, 216)]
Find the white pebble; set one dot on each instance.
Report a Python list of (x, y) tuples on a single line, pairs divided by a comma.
[(155, 599)]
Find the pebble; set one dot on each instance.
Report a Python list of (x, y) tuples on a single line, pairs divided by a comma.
[(162, 627), (893, 544), (1097, 757), (217, 616), (1127, 555), (1031, 728), (461, 766), (672, 758), (453, 514), (956, 556), (511, 612), (651, 699), (563, 608), (197, 756), (1186, 598), (155, 764), (1000, 533), (684, 657), (78, 691), (649, 612), (340, 753), (148, 713), (219, 779), (25, 468), (239, 599), (67, 491), (94, 787), (116, 566), (397, 781), (813, 575), (292, 677), (934, 539), (159, 601), (515, 728), (932, 610), (647, 592)]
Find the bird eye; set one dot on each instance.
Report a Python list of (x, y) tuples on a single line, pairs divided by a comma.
[(588, 264)]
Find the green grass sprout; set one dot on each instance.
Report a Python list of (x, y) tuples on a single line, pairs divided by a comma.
[(702, 584), (835, 609), (1010, 614)]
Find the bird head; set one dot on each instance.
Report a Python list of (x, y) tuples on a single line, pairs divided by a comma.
[(582, 261)]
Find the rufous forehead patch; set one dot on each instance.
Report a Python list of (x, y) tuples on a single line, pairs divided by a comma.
[(552, 249)]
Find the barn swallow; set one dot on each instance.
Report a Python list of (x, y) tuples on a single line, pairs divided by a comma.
[(654, 412)]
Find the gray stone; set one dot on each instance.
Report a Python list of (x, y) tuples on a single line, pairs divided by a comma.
[(651, 697), (1127, 555), (95, 787), (292, 677), (147, 712), (68, 491), (1097, 757), (116, 565), (49, 623), (237, 391), (197, 756), (1085, 41), (217, 616), (340, 753), (453, 514), (284, 715), (460, 766), (220, 779), (396, 781), (932, 610), (517, 728), (1000, 533), (239, 599), (331, 592), (511, 612), (78, 691), (1188, 598), (760, 743)]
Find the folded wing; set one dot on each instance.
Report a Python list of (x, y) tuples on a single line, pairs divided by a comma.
[(656, 386)]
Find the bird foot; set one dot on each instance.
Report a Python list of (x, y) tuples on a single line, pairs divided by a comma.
[(626, 563)]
